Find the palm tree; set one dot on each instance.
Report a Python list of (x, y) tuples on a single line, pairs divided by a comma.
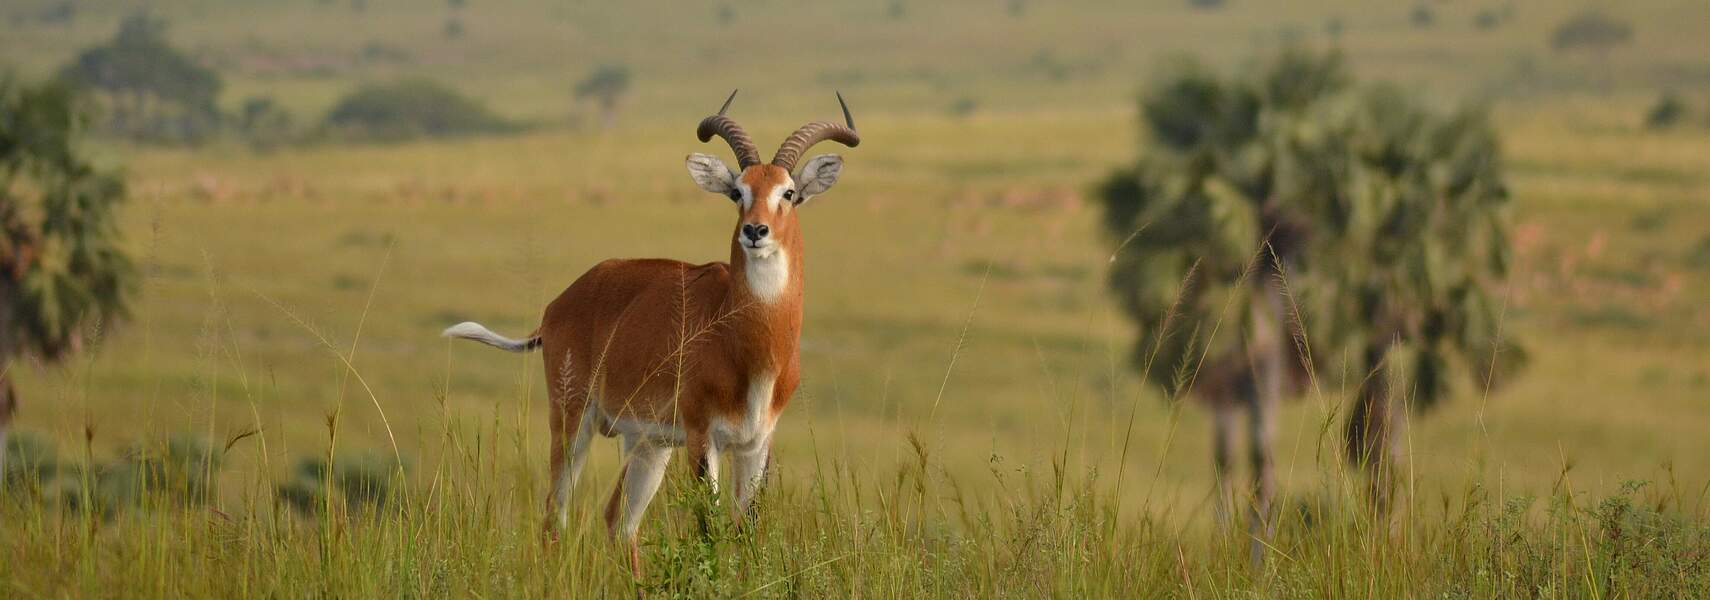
[(1217, 237), (62, 270), (1409, 243), (1389, 216)]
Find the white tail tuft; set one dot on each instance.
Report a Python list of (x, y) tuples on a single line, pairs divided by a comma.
[(471, 330)]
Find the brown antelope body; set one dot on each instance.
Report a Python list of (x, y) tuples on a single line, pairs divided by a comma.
[(667, 354)]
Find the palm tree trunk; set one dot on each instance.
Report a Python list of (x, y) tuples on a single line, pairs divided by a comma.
[(8, 406), (8, 397), (1269, 355), (1371, 433), (608, 111), (10, 269)]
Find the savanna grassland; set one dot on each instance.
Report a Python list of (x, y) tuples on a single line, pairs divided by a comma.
[(968, 424)]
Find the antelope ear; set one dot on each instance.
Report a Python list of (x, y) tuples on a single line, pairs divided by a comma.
[(817, 176), (710, 173)]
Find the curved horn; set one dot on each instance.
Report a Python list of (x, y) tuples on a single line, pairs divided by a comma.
[(725, 127), (813, 133)]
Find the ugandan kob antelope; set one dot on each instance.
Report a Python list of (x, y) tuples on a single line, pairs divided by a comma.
[(667, 354)]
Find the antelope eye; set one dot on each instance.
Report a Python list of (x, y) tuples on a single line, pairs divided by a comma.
[(788, 194), (735, 195)]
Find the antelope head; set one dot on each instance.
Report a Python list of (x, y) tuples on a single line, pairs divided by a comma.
[(766, 237)]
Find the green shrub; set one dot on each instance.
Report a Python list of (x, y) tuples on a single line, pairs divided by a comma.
[(364, 482), (1422, 16), (1487, 19), (1335, 27), (264, 124), (1593, 31), (1668, 111), (410, 109), (1699, 256), (30, 460), (179, 470), (963, 107)]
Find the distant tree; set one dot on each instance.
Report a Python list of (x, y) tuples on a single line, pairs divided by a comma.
[(63, 12), (963, 107), (1668, 111), (1206, 4), (607, 86), (265, 124), (1422, 17), (1487, 19), (1046, 62), (1335, 27), (1592, 31), (152, 90), (726, 14), (377, 52), (897, 11), (1201, 277), (62, 269), (1016, 8), (410, 109), (453, 28)]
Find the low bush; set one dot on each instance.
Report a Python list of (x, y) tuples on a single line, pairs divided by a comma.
[(367, 482), (411, 109)]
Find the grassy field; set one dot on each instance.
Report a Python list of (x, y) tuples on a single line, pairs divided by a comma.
[(961, 426)]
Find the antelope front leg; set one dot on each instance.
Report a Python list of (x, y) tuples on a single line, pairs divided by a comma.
[(704, 458), (703, 454), (748, 469)]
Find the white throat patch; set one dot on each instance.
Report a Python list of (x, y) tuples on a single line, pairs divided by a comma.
[(768, 272)]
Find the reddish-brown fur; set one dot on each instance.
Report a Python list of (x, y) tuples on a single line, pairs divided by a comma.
[(672, 343), (668, 353)]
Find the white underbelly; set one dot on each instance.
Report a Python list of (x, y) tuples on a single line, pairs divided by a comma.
[(666, 434), (753, 426)]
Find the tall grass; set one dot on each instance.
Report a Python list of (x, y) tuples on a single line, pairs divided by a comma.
[(832, 526), (829, 524)]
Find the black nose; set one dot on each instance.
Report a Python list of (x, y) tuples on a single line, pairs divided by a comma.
[(755, 231)]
